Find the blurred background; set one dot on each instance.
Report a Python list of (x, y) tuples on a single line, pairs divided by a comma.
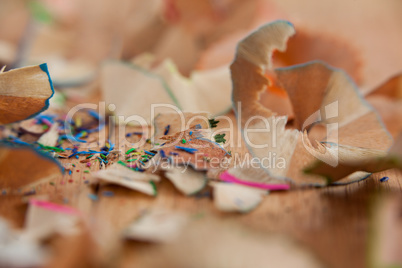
[(74, 37)]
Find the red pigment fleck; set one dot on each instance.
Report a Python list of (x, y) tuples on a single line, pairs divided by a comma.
[(70, 181), (171, 13), (78, 170)]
